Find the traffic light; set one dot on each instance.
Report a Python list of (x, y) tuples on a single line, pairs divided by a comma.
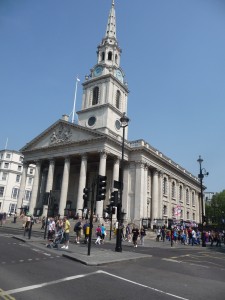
[(114, 198), (85, 196), (101, 188), (108, 209)]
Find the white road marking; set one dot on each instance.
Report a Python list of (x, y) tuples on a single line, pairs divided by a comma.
[(172, 260), (36, 286)]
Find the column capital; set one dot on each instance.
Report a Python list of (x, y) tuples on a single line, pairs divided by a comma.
[(37, 162), (155, 172), (67, 159), (140, 164), (116, 160), (103, 154), (84, 156)]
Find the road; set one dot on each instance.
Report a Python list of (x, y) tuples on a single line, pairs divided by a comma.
[(28, 272)]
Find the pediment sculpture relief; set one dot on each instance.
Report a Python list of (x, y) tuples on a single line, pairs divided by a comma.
[(61, 135)]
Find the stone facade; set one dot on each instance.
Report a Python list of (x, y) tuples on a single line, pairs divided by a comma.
[(69, 156)]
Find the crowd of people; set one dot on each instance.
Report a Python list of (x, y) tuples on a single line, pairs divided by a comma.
[(58, 225), (190, 236)]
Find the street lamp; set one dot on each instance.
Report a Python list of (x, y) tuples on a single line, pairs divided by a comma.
[(124, 120), (201, 175)]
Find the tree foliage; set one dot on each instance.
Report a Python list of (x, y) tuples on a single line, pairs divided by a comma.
[(215, 210)]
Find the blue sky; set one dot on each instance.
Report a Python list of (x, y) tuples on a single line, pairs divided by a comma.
[(173, 57)]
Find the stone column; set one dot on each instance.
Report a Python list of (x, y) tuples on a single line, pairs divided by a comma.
[(82, 184), (22, 188), (170, 199), (145, 198), (50, 177), (160, 203), (35, 187), (155, 195), (64, 187), (139, 192), (102, 171)]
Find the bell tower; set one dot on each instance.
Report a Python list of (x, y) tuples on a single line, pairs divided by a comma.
[(105, 92)]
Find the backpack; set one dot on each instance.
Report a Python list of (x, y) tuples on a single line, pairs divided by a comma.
[(77, 226)]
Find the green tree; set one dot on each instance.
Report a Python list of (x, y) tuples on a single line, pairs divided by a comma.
[(215, 210)]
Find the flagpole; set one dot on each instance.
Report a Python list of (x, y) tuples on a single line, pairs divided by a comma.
[(75, 98), (6, 144)]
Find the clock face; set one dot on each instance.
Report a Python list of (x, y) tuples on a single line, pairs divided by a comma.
[(118, 125), (119, 75), (98, 71)]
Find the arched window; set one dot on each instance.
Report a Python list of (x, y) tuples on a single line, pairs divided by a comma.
[(193, 198), (95, 95), (164, 210), (118, 96), (180, 193), (103, 55), (165, 186), (110, 55), (187, 196), (193, 217), (116, 58), (188, 215), (173, 190)]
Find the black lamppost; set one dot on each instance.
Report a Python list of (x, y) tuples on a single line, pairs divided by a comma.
[(201, 175), (124, 120)]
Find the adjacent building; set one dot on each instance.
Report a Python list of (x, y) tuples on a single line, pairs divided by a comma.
[(11, 168), (68, 157)]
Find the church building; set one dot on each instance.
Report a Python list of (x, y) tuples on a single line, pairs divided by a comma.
[(69, 156)]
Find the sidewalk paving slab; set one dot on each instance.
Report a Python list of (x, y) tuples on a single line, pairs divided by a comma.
[(97, 257)]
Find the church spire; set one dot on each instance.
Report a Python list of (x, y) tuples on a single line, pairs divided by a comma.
[(111, 25)]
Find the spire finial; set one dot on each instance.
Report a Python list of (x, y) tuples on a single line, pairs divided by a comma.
[(111, 25)]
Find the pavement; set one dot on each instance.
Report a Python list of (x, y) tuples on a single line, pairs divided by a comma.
[(98, 254)]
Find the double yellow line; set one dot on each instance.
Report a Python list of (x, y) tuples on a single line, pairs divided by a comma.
[(6, 297)]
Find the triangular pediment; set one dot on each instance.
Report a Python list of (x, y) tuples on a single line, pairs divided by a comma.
[(60, 133)]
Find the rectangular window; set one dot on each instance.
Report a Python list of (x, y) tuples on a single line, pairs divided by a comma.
[(27, 195), (4, 175), (8, 155), (12, 208), (1, 191), (6, 165), (21, 159), (17, 178), (15, 192), (19, 168), (29, 181), (31, 171)]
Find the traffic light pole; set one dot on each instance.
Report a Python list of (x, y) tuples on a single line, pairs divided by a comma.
[(91, 216)]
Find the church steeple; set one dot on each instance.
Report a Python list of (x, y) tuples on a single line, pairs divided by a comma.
[(111, 25), (108, 50), (105, 92)]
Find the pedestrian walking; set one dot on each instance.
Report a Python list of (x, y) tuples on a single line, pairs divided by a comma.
[(142, 235), (99, 235), (103, 233), (43, 222), (66, 227), (135, 233), (77, 229)]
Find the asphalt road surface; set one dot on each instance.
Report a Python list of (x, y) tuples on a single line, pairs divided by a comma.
[(28, 272)]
